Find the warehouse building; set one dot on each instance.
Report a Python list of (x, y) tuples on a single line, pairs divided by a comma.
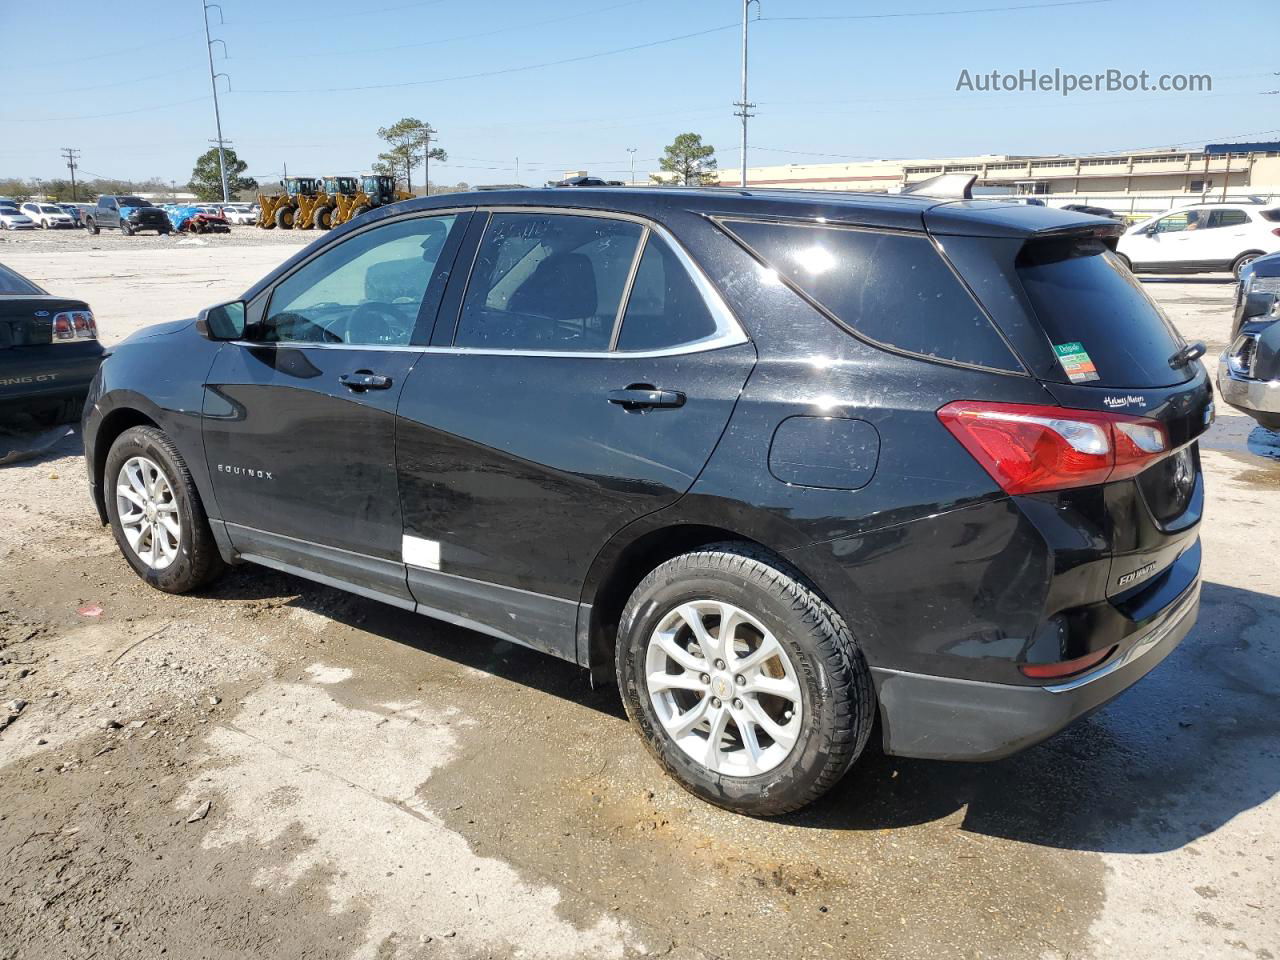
[(1130, 182)]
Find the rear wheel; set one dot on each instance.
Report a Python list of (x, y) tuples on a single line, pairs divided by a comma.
[(156, 514), (363, 208), (284, 218), (92, 227), (743, 682)]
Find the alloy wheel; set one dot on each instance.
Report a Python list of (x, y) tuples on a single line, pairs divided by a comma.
[(148, 512), (723, 688)]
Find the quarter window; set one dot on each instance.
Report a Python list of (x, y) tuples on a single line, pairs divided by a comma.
[(365, 290), (547, 282), (893, 288), (665, 309)]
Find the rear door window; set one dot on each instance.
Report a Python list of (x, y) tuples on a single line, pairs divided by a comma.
[(1097, 314), (1228, 218), (550, 282), (891, 288)]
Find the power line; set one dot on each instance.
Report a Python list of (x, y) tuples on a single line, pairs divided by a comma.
[(98, 116), (213, 83), (941, 13), (594, 11), (505, 70)]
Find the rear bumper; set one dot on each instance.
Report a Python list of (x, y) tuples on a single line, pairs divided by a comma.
[(942, 718), (36, 374), (1249, 395)]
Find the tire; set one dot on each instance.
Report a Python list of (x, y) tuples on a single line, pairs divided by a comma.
[(820, 665), (193, 560), (1128, 264), (322, 219), (1243, 261), (284, 218), (125, 228), (363, 208), (92, 227), (163, 231)]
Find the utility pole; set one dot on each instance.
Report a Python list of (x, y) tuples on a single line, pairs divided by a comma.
[(71, 155), (426, 160), (632, 151), (744, 106), (213, 82)]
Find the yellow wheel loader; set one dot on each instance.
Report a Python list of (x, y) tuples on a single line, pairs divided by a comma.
[(375, 190), (337, 192), (282, 209)]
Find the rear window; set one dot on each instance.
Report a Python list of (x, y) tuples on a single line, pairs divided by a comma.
[(1105, 329), (13, 282), (891, 288)]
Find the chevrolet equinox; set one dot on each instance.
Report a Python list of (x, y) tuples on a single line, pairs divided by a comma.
[(787, 467)]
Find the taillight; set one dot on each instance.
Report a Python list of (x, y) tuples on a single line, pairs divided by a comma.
[(1065, 668), (1029, 448), (74, 325)]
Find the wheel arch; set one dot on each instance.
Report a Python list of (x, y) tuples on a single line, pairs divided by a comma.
[(628, 559), (113, 423)]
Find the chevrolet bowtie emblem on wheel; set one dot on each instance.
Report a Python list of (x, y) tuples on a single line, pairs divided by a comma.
[(245, 471)]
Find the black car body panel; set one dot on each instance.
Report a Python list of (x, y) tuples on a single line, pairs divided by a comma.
[(516, 492), (36, 369)]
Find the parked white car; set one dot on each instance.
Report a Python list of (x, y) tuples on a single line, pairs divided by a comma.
[(1202, 238), (11, 218), (48, 215), (241, 213)]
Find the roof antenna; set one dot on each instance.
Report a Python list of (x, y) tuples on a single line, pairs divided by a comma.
[(946, 186)]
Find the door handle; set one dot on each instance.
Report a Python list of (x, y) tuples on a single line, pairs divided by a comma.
[(363, 380), (642, 396)]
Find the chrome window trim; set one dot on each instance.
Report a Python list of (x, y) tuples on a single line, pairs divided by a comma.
[(729, 332)]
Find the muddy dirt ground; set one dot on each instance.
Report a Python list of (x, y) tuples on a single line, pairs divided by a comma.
[(272, 767)]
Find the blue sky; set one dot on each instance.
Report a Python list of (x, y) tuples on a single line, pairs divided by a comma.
[(882, 87)]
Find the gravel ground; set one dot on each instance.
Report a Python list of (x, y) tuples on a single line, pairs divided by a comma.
[(21, 242), (274, 766)]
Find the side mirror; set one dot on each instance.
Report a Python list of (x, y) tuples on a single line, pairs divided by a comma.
[(223, 322)]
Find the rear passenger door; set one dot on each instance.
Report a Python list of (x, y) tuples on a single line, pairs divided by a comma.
[(578, 379)]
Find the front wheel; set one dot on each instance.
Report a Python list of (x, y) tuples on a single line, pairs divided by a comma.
[(742, 681), (126, 229), (156, 514)]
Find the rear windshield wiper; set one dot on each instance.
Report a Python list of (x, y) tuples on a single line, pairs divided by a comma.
[(1192, 351)]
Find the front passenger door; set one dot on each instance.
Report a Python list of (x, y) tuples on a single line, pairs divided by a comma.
[(299, 417)]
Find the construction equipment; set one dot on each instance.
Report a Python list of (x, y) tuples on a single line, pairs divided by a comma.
[(375, 190), (284, 210), (335, 193)]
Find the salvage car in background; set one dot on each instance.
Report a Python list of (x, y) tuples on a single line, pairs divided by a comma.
[(769, 473), (49, 351)]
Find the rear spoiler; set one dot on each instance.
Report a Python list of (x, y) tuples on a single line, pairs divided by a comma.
[(945, 186)]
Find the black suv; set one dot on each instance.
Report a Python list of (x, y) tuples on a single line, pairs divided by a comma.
[(780, 463)]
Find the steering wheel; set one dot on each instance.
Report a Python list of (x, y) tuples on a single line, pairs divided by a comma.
[(373, 323)]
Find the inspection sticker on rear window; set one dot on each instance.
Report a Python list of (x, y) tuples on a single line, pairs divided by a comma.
[(1075, 362)]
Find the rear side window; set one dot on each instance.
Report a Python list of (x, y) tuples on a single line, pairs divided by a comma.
[(1228, 218), (1090, 305), (892, 288), (547, 282), (665, 309)]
